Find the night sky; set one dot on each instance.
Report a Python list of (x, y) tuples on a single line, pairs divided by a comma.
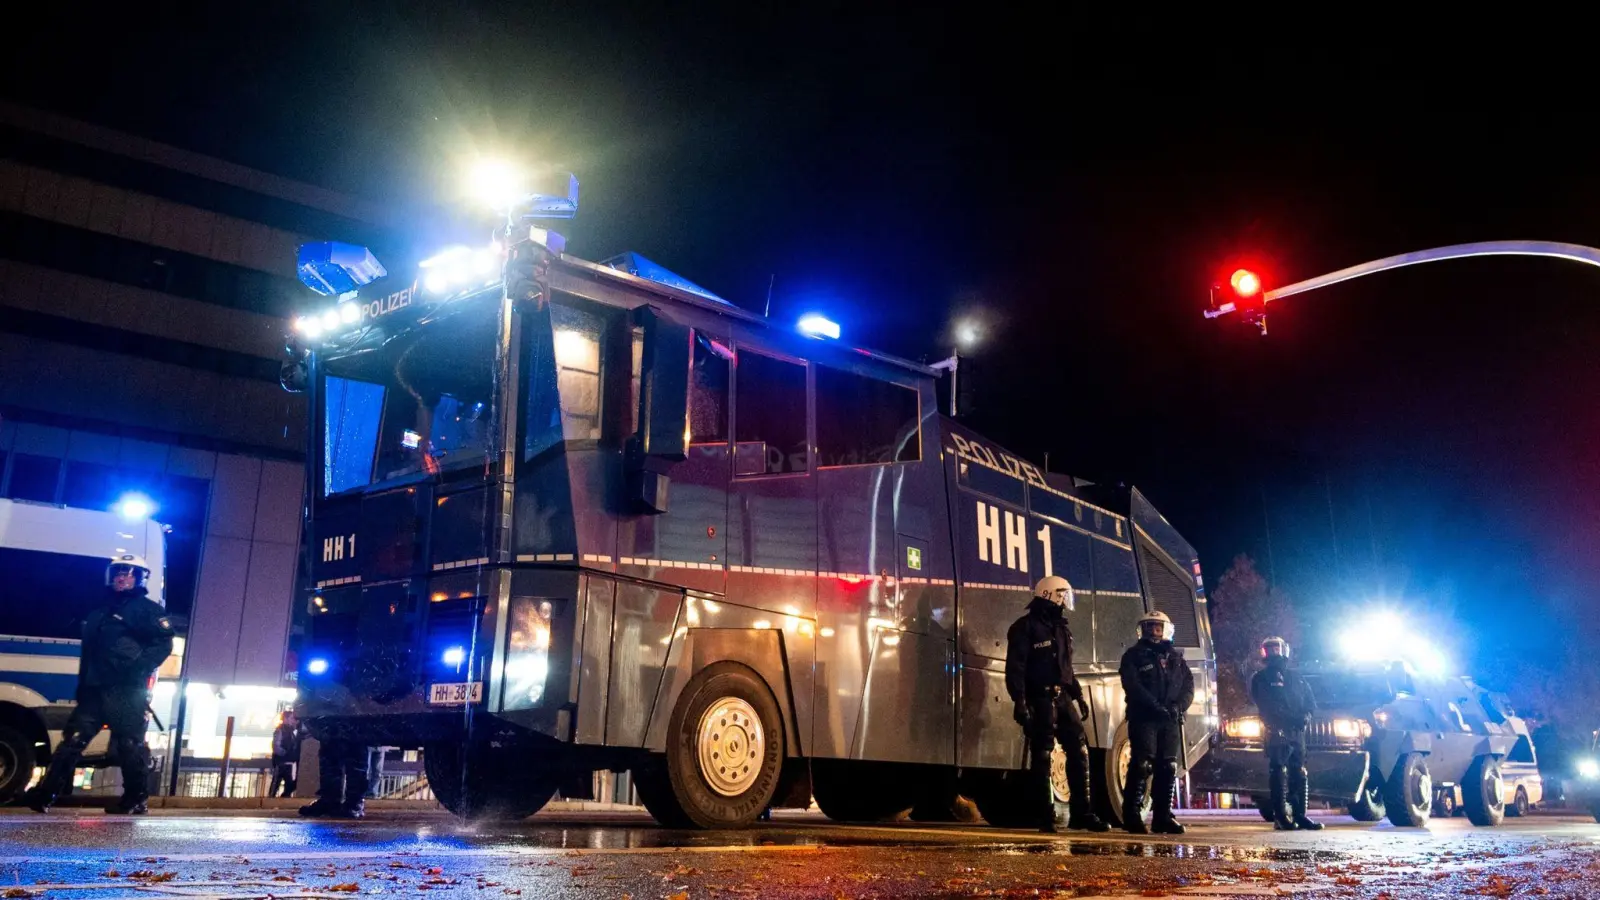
[(1078, 178)]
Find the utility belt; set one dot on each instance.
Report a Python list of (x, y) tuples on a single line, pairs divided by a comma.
[(1049, 693)]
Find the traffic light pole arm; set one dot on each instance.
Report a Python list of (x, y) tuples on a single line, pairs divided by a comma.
[(1553, 249)]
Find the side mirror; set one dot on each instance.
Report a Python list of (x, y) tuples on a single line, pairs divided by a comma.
[(662, 436)]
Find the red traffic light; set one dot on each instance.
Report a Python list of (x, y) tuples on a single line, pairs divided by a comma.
[(1245, 283)]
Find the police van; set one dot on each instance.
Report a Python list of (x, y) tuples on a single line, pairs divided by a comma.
[(54, 559), (568, 516)]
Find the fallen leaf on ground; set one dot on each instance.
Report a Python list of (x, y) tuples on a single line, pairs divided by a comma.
[(349, 887), (18, 892)]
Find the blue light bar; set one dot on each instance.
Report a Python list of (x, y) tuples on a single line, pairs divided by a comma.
[(553, 198), (818, 326), (331, 268), (634, 264), (317, 666)]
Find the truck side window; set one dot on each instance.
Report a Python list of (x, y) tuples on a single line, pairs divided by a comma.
[(708, 392), (770, 423), (864, 421), (577, 349)]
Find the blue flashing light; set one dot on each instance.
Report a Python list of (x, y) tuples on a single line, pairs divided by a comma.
[(818, 326), (331, 268), (454, 656), (317, 666), (134, 507)]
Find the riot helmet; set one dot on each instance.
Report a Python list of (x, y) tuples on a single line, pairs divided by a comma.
[(130, 565), (1057, 590), (1275, 651), (1155, 627)]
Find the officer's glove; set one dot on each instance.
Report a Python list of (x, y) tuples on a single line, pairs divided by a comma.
[(1176, 714), (1083, 709), (1019, 712)]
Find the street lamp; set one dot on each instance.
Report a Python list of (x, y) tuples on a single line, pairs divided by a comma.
[(496, 184), (967, 334)]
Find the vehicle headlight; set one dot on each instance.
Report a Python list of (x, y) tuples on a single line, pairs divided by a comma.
[(1352, 729), (527, 652), (1589, 768), (1245, 727)]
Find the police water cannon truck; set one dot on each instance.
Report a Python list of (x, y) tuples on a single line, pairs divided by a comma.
[(567, 516)]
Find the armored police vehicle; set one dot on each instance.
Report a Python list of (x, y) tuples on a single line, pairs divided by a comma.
[(1386, 742), (55, 562), (1583, 782), (568, 516)]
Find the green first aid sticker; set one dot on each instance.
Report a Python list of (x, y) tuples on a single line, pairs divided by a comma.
[(913, 558)]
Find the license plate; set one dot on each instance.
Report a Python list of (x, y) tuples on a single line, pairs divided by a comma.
[(446, 694)]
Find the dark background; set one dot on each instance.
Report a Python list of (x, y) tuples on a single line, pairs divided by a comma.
[(1078, 178)]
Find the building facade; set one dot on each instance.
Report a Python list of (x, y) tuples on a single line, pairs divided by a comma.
[(144, 295)]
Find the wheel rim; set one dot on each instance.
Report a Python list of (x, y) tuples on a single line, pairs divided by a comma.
[(730, 745), (1422, 783), (8, 763), (1494, 791), (1058, 775)]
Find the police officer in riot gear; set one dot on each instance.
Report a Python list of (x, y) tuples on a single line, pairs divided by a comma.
[(124, 642), (1159, 688), (1286, 706), (1049, 702)]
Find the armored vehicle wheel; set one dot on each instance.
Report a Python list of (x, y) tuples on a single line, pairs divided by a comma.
[(849, 790), (18, 756), (487, 783), (724, 753), (1006, 800), (1408, 795), (1483, 794), (1109, 771), (1519, 804), (1369, 807)]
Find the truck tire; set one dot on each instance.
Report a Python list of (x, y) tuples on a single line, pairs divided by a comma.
[(481, 783), (1519, 804), (1369, 807), (850, 790), (18, 756), (725, 748), (1483, 793), (1408, 794), (1005, 800)]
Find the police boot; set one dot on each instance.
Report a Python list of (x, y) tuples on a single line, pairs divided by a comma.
[(1133, 802), (1037, 784), (1080, 812), (322, 808), (1278, 805), (1162, 786), (39, 799), (128, 806), (1299, 795)]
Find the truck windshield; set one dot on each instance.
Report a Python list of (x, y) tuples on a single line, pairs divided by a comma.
[(421, 403), (1349, 690)]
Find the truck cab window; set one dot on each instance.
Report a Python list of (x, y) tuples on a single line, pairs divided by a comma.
[(864, 421), (577, 340), (708, 392), (770, 418)]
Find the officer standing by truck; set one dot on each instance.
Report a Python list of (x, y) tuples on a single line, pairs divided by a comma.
[(1159, 687), (1049, 702), (124, 642), (1284, 700), (342, 780)]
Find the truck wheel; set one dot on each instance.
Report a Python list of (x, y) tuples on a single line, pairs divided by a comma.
[(1369, 807), (1263, 805), (850, 790), (724, 751), (18, 756), (1408, 795), (1484, 793), (1006, 800), (1519, 804), (487, 783)]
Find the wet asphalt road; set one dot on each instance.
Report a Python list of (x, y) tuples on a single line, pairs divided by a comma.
[(72, 854)]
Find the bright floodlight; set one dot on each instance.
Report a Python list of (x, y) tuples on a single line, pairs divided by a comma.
[(1245, 283), (135, 506), (1383, 636), (967, 334), (496, 184), (817, 325)]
